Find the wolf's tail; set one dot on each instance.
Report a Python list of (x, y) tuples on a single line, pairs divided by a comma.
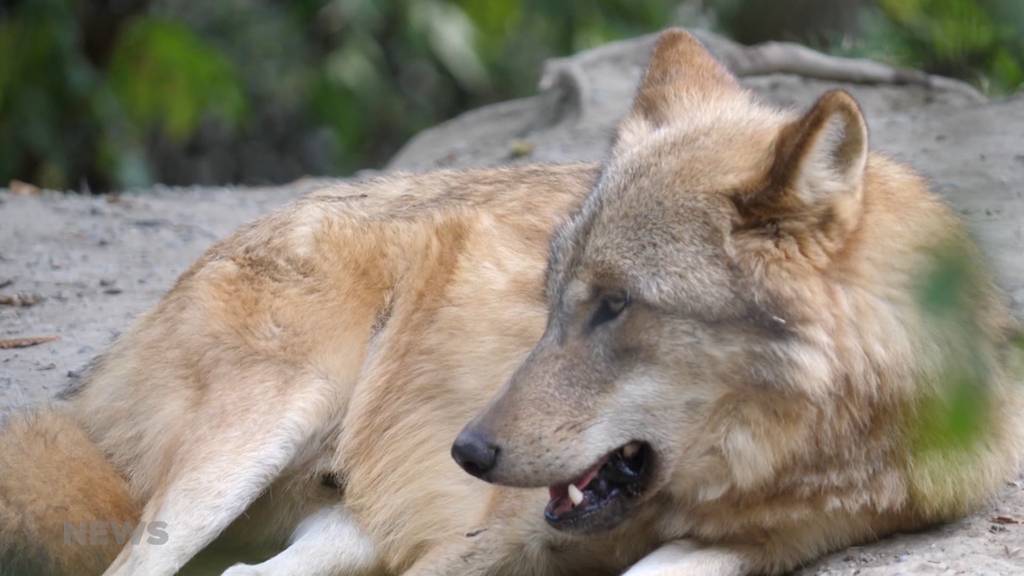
[(59, 498)]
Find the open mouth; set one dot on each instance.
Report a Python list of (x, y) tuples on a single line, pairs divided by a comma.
[(599, 498)]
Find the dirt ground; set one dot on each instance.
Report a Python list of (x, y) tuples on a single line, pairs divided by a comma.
[(81, 268)]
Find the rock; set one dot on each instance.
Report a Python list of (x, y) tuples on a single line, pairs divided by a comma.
[(582, 98)]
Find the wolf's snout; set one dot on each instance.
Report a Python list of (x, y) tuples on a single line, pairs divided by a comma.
[(475, 451)]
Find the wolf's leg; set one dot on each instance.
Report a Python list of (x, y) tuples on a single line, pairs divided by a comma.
[(328, 543), (685, 558), (221, 469)]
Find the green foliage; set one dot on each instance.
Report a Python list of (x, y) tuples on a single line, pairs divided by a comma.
[(951, 418), (122, 94), (392, 68), (945, 289), (954, 419), (72, 116), (981, 41), (978, 40), (43, 87), (270, 90), (167, 78)]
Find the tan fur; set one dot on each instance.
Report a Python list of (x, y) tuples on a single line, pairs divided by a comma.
[(774, 355), (54, 480)]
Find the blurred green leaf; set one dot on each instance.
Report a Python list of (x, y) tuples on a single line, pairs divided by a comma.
[(954, 418), (944, 289), (451, 36), (43, 93), (979, 40), (169, 78), (951, 417)]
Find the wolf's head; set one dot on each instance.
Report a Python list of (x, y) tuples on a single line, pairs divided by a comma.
[(660, 303)]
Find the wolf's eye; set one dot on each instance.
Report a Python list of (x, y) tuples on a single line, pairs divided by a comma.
[(609, 308)]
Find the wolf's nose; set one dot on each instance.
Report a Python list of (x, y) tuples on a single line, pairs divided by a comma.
[(475, 452)]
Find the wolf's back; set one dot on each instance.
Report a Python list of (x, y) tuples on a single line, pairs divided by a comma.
[(58, 494)]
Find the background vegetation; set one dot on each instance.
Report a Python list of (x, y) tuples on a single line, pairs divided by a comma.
[(109, 94)]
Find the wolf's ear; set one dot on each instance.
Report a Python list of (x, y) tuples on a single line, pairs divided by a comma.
[(825, 151), (819, 164), (681, 71)]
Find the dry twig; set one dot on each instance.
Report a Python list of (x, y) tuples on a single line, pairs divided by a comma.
[(10, 343)]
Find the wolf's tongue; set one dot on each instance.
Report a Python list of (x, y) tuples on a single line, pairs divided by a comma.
[(559, 493)]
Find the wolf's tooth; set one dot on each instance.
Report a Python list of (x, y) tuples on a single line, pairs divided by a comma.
[(630, 450), (575, 495)]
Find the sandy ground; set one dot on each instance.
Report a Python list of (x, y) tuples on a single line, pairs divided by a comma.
[(81, 268)]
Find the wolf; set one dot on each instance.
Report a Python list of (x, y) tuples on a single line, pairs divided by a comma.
[(716, 352)]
